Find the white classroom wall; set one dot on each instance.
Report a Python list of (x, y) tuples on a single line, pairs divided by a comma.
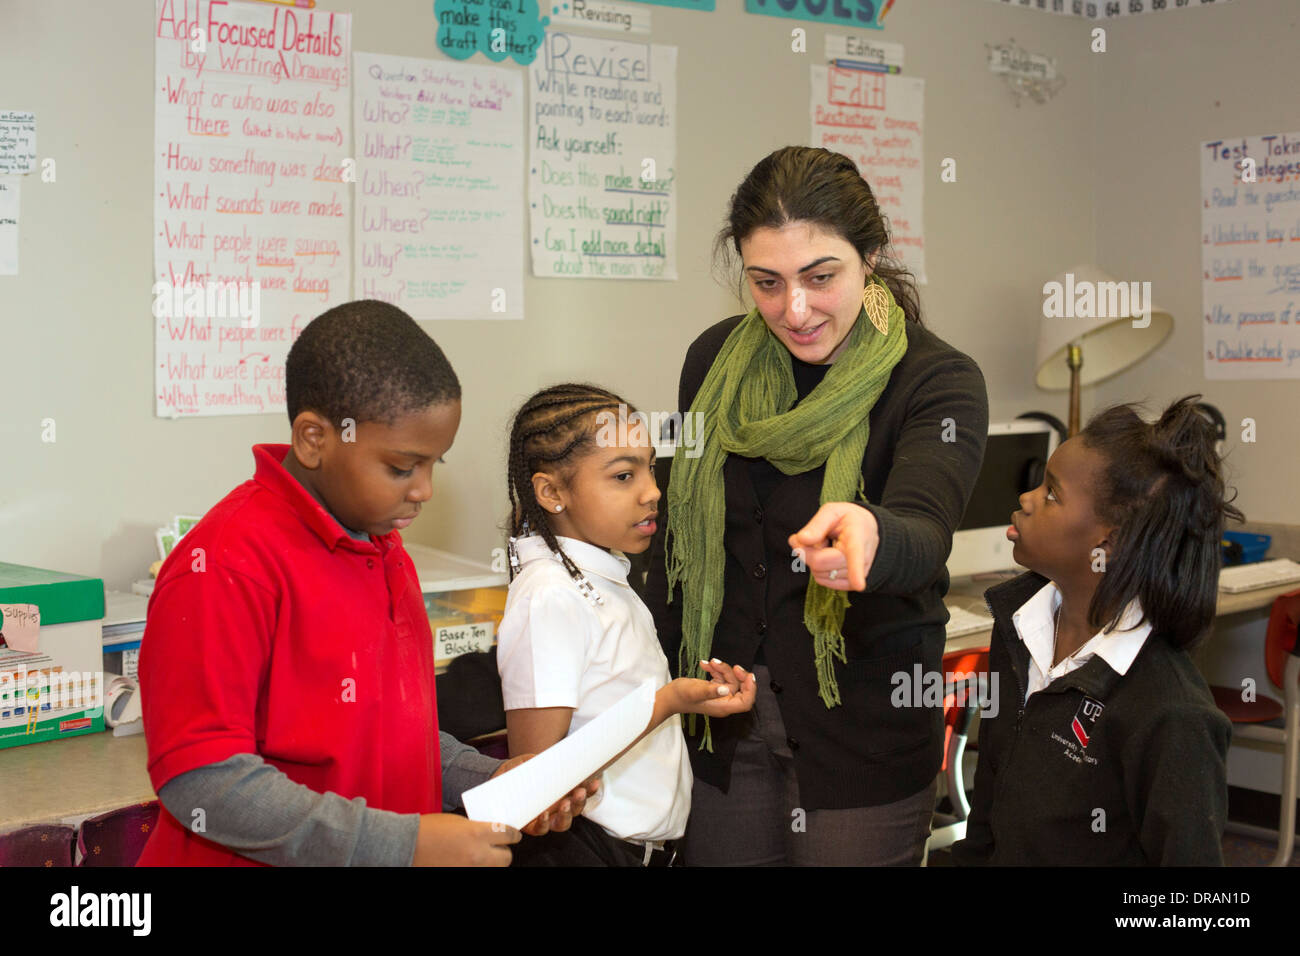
[(1168, 88), (1107, 171)]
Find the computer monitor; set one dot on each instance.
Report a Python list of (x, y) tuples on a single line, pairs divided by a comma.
[(1014, 459)]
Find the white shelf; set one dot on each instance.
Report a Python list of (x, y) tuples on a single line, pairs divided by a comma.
[(442, 571), (438, 571)]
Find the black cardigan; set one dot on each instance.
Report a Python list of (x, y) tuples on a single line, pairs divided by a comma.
[(1150, 785), (928, 431)]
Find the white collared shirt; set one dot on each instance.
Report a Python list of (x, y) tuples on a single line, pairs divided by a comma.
[(1036, 625), (555, 649)]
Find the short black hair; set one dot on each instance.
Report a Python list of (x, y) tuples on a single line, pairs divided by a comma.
[(368, 361), (1162, 487)]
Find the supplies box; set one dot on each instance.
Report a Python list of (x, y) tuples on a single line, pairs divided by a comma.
[(51, 661)]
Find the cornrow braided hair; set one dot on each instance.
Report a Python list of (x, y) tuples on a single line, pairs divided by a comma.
[(1163, 488), (552, 431)]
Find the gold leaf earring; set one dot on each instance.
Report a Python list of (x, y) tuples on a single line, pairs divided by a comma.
[(876, 302)]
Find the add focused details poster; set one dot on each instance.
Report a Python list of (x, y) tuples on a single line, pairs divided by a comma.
[(252, 207)]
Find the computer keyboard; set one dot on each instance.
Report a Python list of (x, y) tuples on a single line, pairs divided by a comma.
[(1260, 574), (962, 621)]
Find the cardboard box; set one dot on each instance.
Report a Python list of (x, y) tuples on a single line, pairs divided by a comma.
[(55, 690)]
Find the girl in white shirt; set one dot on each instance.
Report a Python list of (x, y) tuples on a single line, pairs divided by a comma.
[(576, 639)]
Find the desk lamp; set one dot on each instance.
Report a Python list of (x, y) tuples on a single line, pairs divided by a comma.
[(1103, 325)]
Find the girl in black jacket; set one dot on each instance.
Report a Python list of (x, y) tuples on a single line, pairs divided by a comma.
[(1107, 748)]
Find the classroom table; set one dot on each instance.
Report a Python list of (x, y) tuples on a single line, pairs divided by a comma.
[(69, 780), (969, 594), (65, 781)]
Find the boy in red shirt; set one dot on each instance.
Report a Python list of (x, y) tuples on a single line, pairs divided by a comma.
[(287, 665)]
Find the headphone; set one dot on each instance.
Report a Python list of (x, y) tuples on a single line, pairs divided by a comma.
[(1036, 467), (1215, 418)]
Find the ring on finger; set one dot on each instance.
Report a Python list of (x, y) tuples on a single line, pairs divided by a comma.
[(835, 572)]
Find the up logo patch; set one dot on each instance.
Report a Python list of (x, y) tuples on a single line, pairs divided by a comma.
[(1084, 719)]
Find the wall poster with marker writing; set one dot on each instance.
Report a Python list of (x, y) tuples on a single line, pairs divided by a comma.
[(252, 196), (877, 120), (1250, 256), (440, 155), (602, 185)]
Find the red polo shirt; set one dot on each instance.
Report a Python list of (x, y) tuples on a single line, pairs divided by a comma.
[(291, 640)]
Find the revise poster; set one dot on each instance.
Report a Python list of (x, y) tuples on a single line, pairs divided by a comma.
[(603, 161)]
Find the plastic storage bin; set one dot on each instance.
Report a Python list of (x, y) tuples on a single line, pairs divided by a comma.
[(1253, 546), (465, 601)]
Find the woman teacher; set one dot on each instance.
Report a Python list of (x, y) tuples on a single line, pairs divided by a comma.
[(840, 442)]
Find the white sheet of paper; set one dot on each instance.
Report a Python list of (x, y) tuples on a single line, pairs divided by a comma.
[(517, 797), (1249, 292), (21, 626), (17, 142), (603, 189), (878, 121), (9, 225), (440, 151)]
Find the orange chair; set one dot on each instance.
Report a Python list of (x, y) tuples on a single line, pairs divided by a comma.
[(962, 671), (1269, 721)]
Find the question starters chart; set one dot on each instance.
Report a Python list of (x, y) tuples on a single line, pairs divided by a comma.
[(1250, 254), (439, 224), (876, 120), (251, 204), (602, 170)]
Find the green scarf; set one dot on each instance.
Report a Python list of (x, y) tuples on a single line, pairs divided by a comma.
[(745, 408)]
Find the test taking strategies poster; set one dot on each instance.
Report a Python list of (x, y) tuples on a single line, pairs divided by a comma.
[(602, 164), (1250, 252), (252, 210)]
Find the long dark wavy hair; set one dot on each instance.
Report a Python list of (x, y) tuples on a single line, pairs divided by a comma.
[(807, 184), (1163, 488)]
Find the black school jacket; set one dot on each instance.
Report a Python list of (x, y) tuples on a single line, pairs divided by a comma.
[(928, 430), (1142, 755)]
